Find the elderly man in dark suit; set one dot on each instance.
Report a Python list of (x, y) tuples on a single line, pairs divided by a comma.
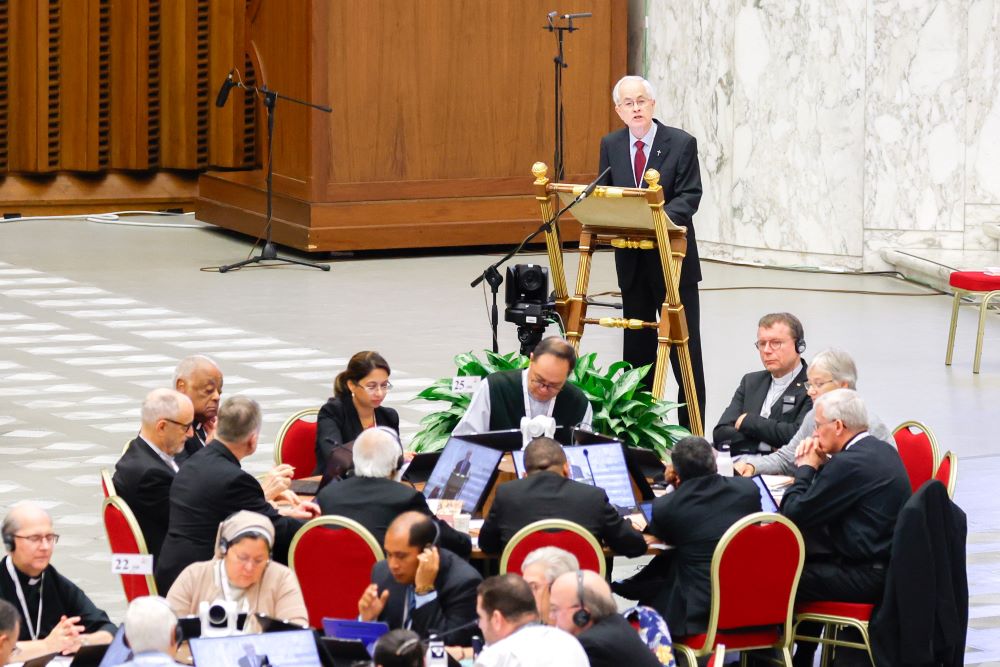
[(769, 405), (548, 493), (692, 519), (199, 378), (146, 470), (373, 498), (212, 485), (421, 586), (645, 143)]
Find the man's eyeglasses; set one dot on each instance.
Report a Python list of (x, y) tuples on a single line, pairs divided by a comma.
[(36, 540), (545, 386), (773, 344), (181, 424), (374, 387), (640, 103)]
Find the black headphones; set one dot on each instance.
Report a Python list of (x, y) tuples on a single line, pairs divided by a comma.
[(9, 541), (800, 345), (582, 615), (258, 531)]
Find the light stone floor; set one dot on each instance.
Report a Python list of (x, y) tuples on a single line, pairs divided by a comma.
[(92, 316)]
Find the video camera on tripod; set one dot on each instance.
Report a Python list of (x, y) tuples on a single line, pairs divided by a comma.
[(529, 303)]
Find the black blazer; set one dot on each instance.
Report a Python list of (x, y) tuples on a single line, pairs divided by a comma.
[(787, 414), (692, 519), (674, 154), (375, 503), (338, 423), (455, 605), (856, 498), (547, 495), (143, 480), (208, 488), (613, 642)]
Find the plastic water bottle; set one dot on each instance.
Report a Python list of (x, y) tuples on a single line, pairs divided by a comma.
[(724, 461), (436, 655)]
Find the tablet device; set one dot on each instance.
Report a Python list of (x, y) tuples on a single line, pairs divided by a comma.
[(647, 510), (464, 471), (118, 652), (289, 649), (506, 441), (305, 487), (420, 467), (270, 624), (366, 632), (89, 655), (767, 502)]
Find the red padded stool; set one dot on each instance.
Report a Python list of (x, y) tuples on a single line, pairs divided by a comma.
[(971, 283)]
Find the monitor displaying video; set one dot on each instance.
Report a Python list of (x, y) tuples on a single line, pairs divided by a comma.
[(600, 465), (463, 473), (279, 649)]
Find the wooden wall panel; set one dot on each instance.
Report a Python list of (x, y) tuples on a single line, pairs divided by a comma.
[(83, 84), (227, 127), (131, 84), (4, 83), (182, 84)]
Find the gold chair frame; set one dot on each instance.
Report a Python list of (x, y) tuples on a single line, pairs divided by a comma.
[(832, 623), (663, 235), (983, 307), (952, 459), (109, 483), (334, 521), (140, 540), (279, 441), (785, 645), (935, 448), (553, 524)]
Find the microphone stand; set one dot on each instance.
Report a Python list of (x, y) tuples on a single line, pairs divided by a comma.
[(269, 252), (493, 277), (560, 64)]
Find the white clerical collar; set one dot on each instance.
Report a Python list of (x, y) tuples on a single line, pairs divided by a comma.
[(787, 378), (859, 436)]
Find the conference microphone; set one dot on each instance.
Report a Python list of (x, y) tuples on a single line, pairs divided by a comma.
[(593, 477), (581, 15), (227, 85), (589, 190), (465, 626)]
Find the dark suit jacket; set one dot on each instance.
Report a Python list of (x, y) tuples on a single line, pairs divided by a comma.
[(210, 487), (856, 498), (455, 605), (338, 423), (692, 519), (143, 480), (375, 503), (787, 413), (613, 642), (674, 154), (547, 495)]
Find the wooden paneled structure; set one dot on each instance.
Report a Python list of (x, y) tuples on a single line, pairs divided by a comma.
[(440, 108)]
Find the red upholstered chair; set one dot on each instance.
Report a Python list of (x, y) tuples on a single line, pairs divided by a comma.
[(918, 448), (719, 657), (751, 612), (107, 485), (835, 615), (125, 537), (965, 283), (567, 535), (333, 556), (296, 443), (947, 472)]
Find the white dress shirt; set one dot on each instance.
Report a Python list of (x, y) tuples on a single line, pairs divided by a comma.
[(534, 646)]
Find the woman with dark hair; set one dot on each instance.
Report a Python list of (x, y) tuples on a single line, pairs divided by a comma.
[(356, 405)]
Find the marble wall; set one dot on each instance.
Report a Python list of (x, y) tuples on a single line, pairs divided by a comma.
[(829, 129)]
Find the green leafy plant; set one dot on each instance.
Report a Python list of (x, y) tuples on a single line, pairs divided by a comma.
[(622, 408)]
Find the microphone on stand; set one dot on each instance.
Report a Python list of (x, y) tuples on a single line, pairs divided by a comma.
[(593, 477), (227, 85), (464, 626), (581, 15), (589, 190)]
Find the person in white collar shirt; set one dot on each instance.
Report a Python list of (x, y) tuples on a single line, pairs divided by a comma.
[(55, 615), (542, 388), (242, 572), (146, 470), (768, 406), (151, 631), (514, 634)]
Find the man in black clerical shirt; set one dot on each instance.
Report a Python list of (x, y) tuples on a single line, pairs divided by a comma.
[(199, 378), (211, 485), (146, 470), (849, 488), (55, 615), (548, 493), (503, 398)]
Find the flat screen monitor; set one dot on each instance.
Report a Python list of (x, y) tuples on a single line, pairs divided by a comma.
[(463, 472), (283, 649), (365, 632), (600, 465), (506, 441)]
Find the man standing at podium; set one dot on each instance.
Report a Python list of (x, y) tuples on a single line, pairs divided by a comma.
[(645, 143)]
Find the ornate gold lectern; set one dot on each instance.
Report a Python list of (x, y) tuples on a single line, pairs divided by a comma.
[(622, 218)]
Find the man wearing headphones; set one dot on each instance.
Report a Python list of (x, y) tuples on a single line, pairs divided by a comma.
[(581, 604), (769, 405), (55, 615), (373, 497), (152, 632), (420, 586)]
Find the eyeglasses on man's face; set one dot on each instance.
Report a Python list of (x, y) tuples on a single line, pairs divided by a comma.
[(770, 344), (36, 540), (640, 103)]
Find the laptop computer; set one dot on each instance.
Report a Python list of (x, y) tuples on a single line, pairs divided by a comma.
[(296, 648), (767, 501), (465, 471), (363, 631)]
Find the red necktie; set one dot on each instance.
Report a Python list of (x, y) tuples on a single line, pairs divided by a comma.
[(640, 163)]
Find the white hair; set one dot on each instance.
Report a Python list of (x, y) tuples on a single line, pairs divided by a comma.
[(376, 452), (650, 91), (839, 365), (150, 624), (188, 365), (557, 561), (845, 405), (162, 404), (12, 521)]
